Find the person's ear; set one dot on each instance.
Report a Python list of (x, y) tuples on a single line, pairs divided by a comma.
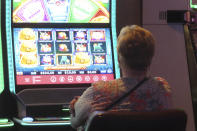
[(119, 64), (119, 59)]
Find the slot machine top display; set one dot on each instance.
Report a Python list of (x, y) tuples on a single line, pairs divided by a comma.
[(58, 11)]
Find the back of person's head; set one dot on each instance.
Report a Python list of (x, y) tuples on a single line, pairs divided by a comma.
[(136, 47)]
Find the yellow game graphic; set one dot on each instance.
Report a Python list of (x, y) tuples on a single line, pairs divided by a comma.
[(82, 58), (28, 60), (28, 46), (27, 34)]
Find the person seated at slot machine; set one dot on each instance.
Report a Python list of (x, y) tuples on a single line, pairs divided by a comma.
[(136, 47)]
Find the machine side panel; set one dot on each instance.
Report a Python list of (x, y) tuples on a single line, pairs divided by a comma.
[(154, 11), (170, 62)]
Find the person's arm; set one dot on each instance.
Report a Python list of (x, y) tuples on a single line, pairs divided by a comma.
[(165, 94), (72, 103), (101, 102), (82, 108)]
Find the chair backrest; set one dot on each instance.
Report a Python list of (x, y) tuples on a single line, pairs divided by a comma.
[(168, 120)]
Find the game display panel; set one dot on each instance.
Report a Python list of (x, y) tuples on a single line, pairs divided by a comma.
[(63, 11), (193, 4), (62, 55), (60, 43)]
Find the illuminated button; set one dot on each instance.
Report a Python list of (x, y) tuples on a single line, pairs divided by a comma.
[(62, 79), (28, 119), (104, 78), (95, 78), (70, 79), (27, 80), (78, 78), (53, 79), (87, 78)]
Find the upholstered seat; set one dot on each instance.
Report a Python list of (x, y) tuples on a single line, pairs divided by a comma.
[(169, 120)]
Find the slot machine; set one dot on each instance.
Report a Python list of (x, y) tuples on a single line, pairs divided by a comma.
[(5, 123), (193, 4), (56, 49), (190, 31)]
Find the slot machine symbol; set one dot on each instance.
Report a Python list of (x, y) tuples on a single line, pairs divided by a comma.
[(64, 59), (46, 60), (81, 47), (97, 47), (99, 59), (80, 35), (45, 35), (82, 58), (27, 34), (62, 35), (28, 59), (97, 35), (45, 47)]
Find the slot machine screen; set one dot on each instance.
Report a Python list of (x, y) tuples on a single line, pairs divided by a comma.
[(193, 4), (61, 11), (62, 55)]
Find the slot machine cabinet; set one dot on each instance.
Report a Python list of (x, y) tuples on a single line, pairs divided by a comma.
[(170, 59), (190, 31), (5, 123), (56, 49)]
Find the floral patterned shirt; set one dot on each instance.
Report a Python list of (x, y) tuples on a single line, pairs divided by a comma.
[(153, 95)]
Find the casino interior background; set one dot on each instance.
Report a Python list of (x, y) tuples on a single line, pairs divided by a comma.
[(175, 54)]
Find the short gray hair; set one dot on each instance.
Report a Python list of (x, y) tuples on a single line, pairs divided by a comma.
[(136, 47)]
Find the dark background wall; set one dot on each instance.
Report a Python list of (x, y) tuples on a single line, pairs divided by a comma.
[(128, 12)]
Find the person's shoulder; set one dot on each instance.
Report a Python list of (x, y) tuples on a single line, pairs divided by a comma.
[(161, 82), (107, 84)]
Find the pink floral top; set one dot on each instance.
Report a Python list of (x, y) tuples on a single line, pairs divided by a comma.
[(154, 94)]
